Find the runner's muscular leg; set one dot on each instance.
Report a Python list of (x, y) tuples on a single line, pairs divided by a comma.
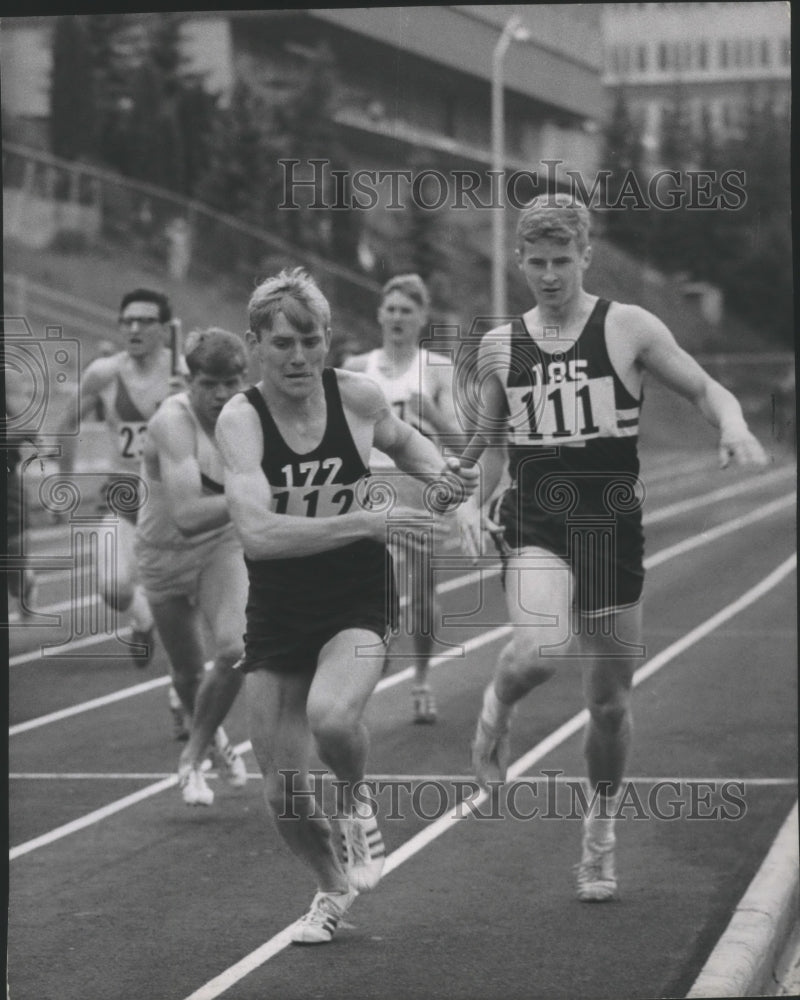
[(222, 596), (349, 667), (538, 600), (281, 740), (178, 624), (607, 679)]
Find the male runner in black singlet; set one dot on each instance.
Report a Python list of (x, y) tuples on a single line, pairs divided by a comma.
[(562, 387), (296, 448)]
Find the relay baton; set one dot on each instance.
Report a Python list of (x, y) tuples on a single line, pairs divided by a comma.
[(175, 345)]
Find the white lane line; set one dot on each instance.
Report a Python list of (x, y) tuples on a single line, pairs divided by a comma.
[(36, 656), (220, 984), (104, 812), (726, 528), (388, 778), (80, 776), (87, 706), (648, 477), (664, 471), (92, 817), (660, 514), (725, 493), (695, 541), (562, 733), (577, 722), (387, 682), (52, 609)]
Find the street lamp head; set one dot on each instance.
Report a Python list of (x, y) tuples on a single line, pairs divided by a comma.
[(520, 33)]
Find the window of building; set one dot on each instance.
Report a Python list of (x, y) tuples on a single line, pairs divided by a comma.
[(736, 57), (723, 54), (786, 51), (766, 55), (702, 55), (662, 56), (747, 54)]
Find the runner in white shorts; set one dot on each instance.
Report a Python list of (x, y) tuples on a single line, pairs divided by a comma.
[(190, 561), (418, 385)]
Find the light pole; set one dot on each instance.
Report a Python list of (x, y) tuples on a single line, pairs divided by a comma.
[(514, 31)]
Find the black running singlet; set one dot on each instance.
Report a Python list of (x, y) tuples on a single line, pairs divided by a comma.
[(573, 431), (307, 592)]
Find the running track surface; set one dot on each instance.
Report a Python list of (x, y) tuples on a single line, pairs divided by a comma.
[(120, 892)]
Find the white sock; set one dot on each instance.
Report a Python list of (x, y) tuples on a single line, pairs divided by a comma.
[(495, 712), (141, 615), (362, 810), (599, 822)]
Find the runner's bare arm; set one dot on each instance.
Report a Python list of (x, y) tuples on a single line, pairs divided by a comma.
[(354, 362), (434, 403), (93, 380), (659, 354), (490, 420), (173, 436), (264, 534), (414, 453)]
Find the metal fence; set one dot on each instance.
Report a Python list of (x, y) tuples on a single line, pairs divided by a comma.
[(49, 202)]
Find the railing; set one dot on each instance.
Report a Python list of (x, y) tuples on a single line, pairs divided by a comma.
[(42, 305), (49, 201)]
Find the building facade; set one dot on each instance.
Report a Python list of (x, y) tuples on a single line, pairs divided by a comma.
[(722, 56), (411, 77)]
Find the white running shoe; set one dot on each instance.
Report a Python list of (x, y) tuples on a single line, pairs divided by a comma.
[(233, 765), (363, 851), (596, 877), (319, 925), (424, 704), (491, 752), (193, 786)]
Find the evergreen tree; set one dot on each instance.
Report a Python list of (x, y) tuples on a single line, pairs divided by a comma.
[(424, 246), (111, 87), (73, 121), (623, 157), (758, 279), (305, 129), (154, 117), (238, 149), (672, 232)]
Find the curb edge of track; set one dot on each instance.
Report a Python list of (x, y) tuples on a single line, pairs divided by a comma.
[(743, 962)]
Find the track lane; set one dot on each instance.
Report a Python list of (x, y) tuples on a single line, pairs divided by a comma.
[(157, 710), (169, 847)]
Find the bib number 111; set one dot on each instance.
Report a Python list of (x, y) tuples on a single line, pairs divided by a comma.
[(547, 418)]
